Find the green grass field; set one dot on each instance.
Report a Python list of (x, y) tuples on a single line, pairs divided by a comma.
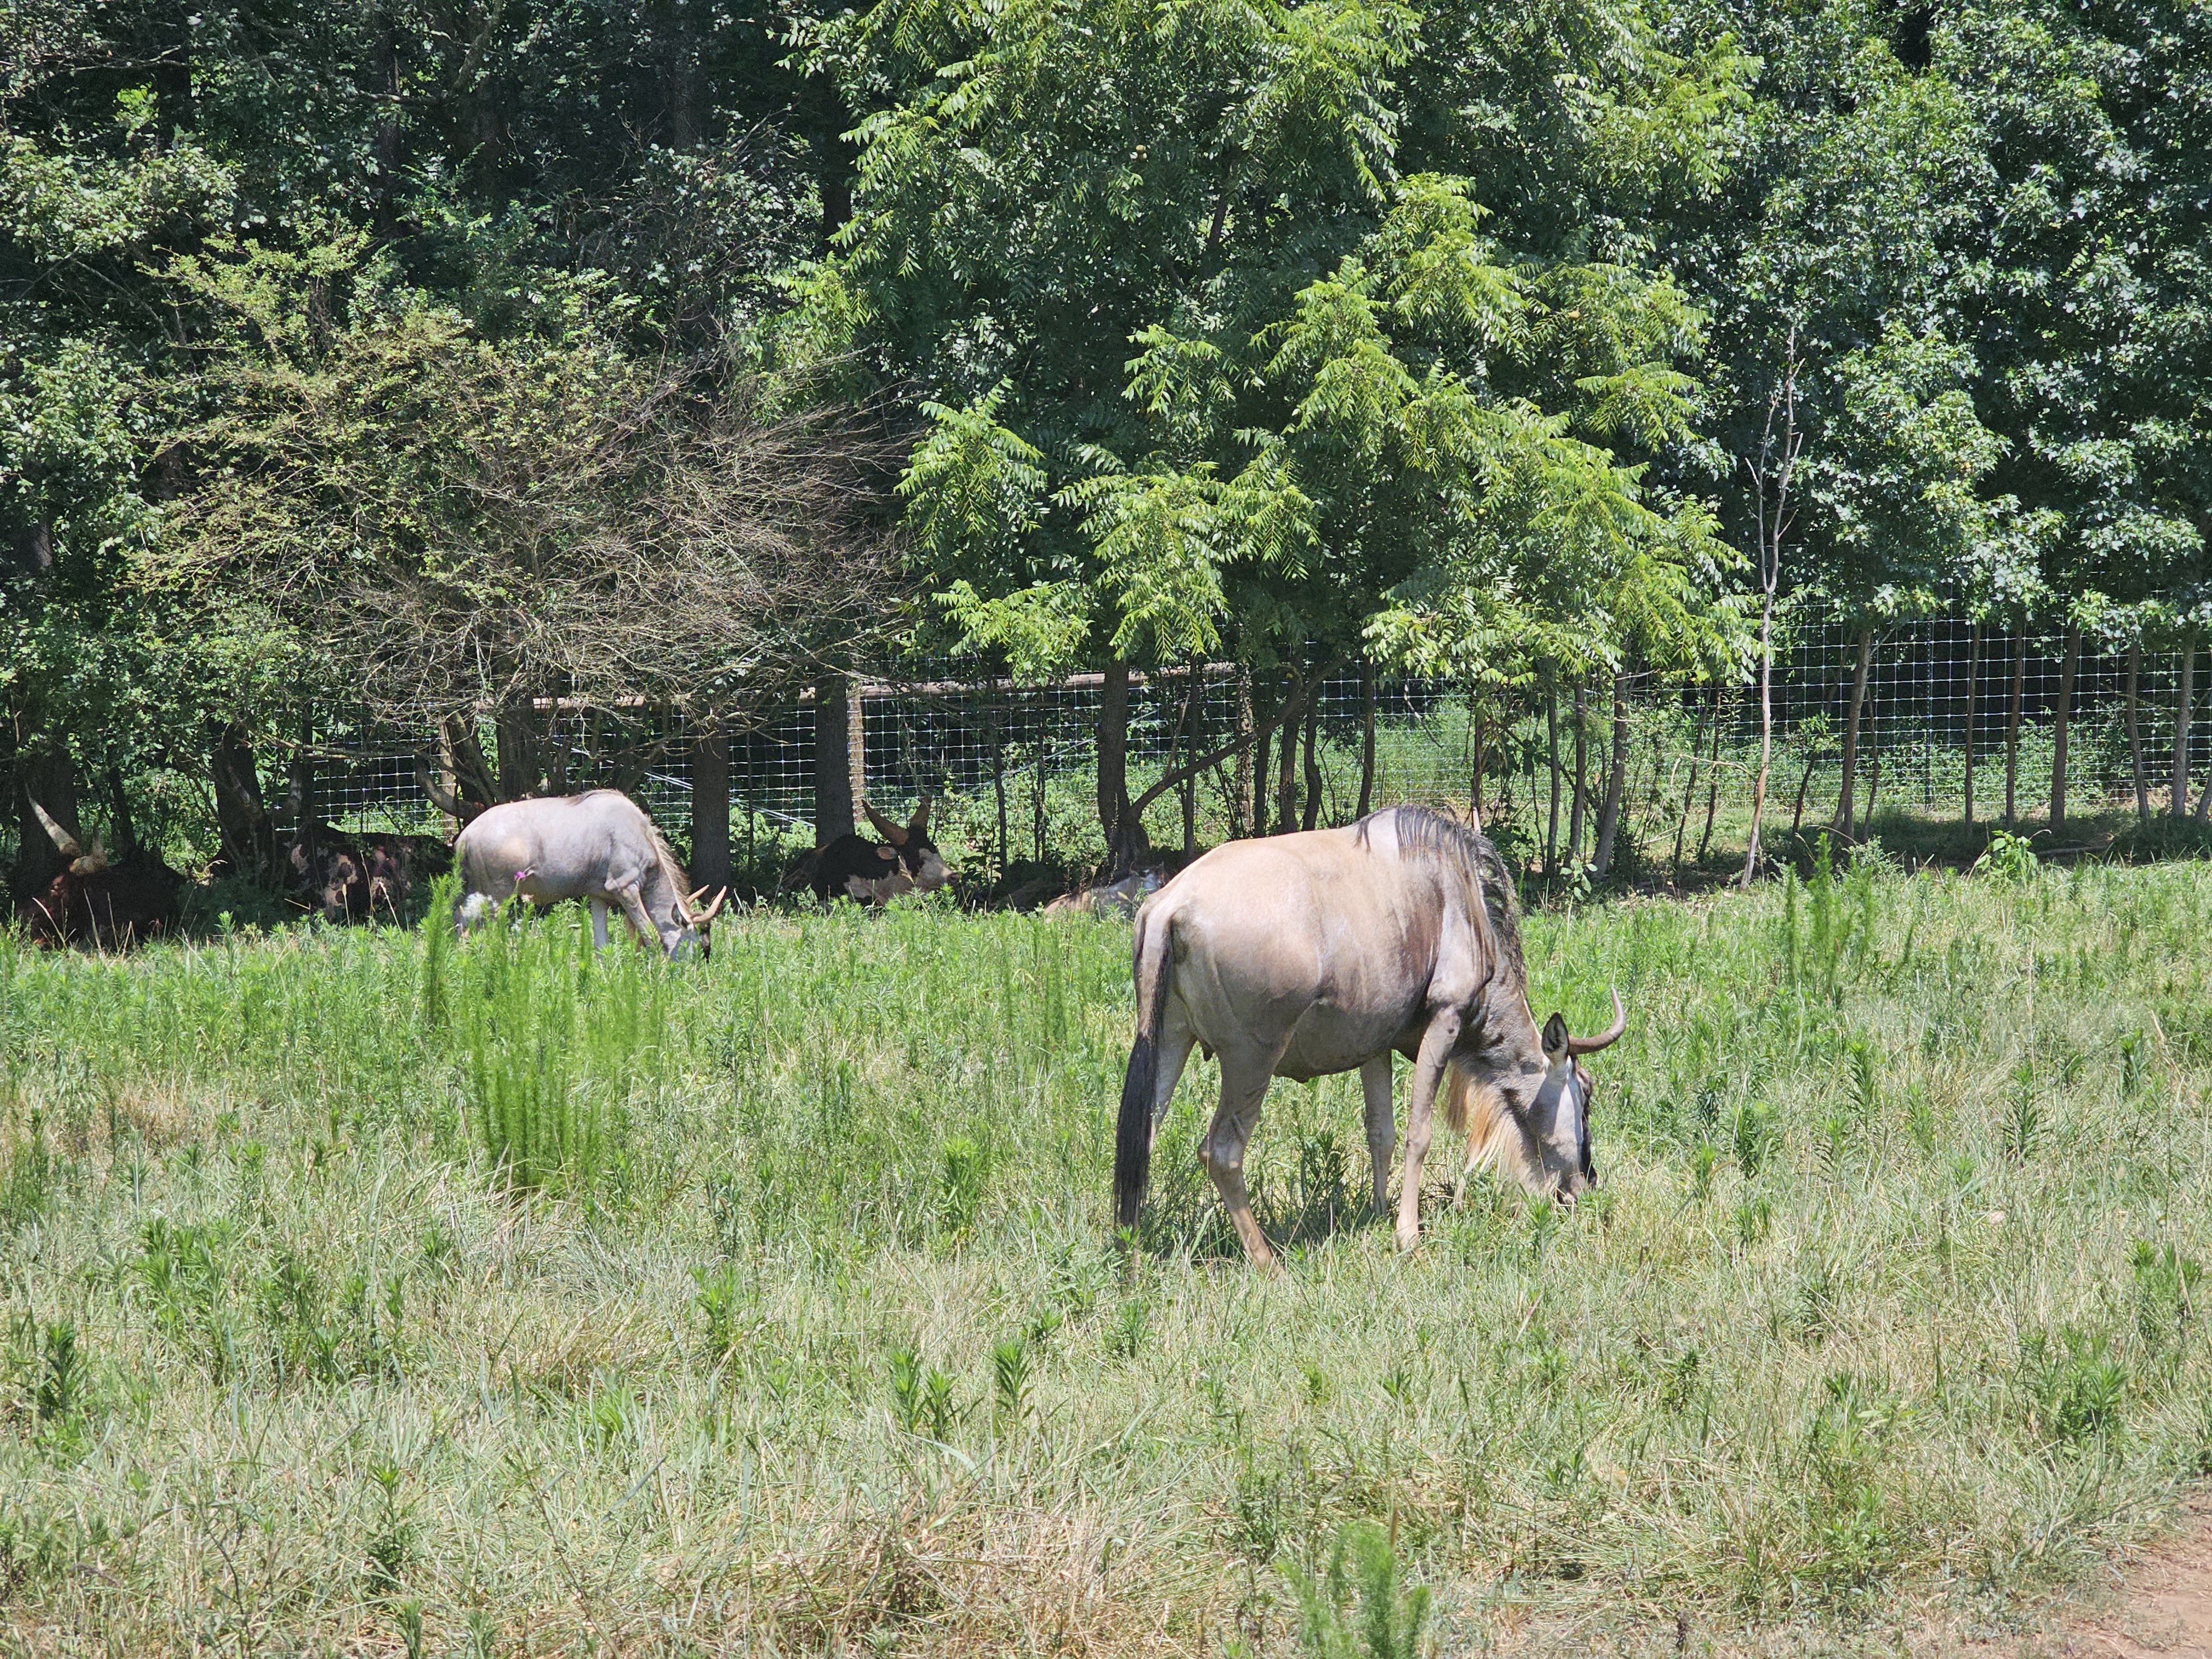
[(367, 1294)]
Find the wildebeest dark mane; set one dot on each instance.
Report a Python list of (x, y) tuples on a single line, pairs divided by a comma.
[(1426, 832)]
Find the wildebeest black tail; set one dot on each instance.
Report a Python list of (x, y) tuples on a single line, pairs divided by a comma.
[(1152, 964)]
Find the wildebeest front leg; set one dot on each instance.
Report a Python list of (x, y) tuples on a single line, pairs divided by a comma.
[(1382, 1126), (1437, 1044), (641, 919), (1244, 1079), (599, 924)]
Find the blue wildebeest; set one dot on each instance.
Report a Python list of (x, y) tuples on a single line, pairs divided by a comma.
[(599, 846), (1301, 956)]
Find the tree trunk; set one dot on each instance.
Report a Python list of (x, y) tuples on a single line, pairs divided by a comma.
[(1752, 852), (1582, 771), (2134, 710), (2072, 656), (2012, 725), (1123, 836), (1973, 672), (1845, 819), (1366, 738), (1263, 737), (1195, 712), (1616, 788), (999, 792), (122, 831), (710, 808), (1552, 740), (1241, 807), (1479, 741), (248, 846), (1690, 785), (2185, 694), (1873, 770), (1311, 817), (1712, 782), (515, 728), (836, 791), (1286, 751)]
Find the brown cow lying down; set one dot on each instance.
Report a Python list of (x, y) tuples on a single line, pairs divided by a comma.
[(350, 878), (94, 901)]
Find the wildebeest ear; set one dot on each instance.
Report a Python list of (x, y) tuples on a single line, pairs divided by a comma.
[(887, 854), (884, 827), (1555, 1037)]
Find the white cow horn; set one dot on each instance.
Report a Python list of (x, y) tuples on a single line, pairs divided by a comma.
[(714, 909), (1609, 1036), (65, 842)]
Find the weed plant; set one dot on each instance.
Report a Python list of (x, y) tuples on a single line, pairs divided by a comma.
[(364, 1291)]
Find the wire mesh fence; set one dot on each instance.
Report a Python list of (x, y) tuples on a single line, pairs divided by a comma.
[(1947, 707)]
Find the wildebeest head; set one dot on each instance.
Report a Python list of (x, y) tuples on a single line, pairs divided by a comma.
[(1533, 1122), (918, 856)]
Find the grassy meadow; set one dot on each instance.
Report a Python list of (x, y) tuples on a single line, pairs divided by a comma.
[(367, 1294)]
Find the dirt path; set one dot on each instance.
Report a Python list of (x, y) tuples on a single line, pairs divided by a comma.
[(2162, 1608)]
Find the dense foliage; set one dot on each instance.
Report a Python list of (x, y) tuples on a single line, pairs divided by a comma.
[(1451, 336)]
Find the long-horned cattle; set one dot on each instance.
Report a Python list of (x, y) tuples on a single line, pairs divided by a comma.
[(906, 860), (112, 905), (599, 847), (1302, 956)]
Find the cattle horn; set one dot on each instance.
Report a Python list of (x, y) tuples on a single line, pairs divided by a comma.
[(64, 843), (711, 910), (1609, 1036), (920, 826), (884, 827)]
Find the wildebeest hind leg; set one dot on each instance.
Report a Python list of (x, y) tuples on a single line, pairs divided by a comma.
[(1175, 1042), (1382, 1126), (1244, 1080)]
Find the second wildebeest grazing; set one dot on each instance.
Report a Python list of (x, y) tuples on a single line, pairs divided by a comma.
[(1301, 956), (599, 846)]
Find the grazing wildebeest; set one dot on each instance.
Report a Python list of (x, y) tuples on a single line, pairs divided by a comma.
[(873, 872), (111, 904), (1301, 956), (597, 846)]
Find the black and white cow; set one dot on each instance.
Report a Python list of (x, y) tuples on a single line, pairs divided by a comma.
[(873, 872)]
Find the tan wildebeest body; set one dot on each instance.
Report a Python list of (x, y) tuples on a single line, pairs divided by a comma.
[(1306, 955), (597, 846)]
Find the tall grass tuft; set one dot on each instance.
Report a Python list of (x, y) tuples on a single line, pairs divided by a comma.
[(558, 1038), (1390, 1618), (438, 949)]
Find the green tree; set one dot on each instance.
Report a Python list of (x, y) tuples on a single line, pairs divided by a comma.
[(1211, 361)]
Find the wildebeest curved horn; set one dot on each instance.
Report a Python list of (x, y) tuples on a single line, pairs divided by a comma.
[(711, 910), (887, 828), (1609, 1036), (64, 843)]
